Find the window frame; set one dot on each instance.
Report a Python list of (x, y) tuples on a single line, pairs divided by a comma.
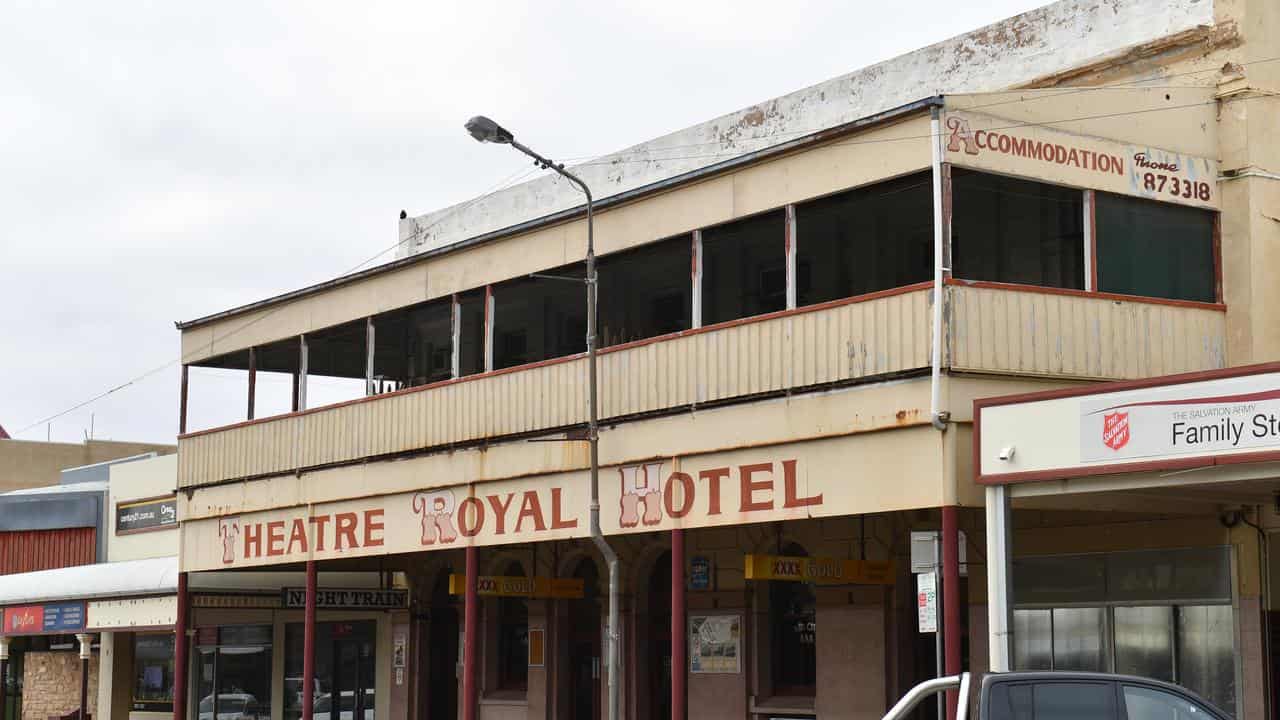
[(137, 705)]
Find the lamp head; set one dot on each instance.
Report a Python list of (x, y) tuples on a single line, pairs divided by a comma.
[(488, 131)]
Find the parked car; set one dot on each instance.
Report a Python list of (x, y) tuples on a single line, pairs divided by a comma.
[(323, 709), (231, 706), (1064, 696)]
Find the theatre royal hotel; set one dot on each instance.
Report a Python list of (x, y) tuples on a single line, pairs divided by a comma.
[(844, 339)]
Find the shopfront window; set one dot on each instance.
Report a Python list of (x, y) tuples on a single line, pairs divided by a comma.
[(344, 684), (234, 673), (1016, 231), (1159, 614), (794, 628), (153, 672), (1154, 249)]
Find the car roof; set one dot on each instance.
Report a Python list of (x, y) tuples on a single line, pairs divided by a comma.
[(1068, 675)]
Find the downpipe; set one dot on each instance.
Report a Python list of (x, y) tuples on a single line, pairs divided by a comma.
[(937, 416)]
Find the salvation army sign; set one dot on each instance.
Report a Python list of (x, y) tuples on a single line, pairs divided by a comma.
[(1194, 419)]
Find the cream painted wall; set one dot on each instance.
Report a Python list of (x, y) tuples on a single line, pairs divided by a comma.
[(137, 481)]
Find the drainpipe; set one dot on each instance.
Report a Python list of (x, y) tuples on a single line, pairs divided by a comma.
[(593, 436), (937, 416)]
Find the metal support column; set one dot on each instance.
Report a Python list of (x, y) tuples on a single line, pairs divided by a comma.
[(470, 621), (182, 403), (309, 644), (304, 357), (180, 652), (370, 344), (679, 659), (999, 602), (951, 600), (253, 382)]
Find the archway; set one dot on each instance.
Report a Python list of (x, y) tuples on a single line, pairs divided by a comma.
[(659, 656)]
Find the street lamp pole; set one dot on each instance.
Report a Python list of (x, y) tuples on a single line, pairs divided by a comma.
[(485, 130)]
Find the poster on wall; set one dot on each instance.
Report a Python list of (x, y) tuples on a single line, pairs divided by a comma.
[(715, 643)]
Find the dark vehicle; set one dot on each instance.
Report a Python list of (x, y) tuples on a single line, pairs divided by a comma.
[(1064, 696)]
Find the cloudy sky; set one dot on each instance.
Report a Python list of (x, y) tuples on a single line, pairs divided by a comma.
[(164, 161)]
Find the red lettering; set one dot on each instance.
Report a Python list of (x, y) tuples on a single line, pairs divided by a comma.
[(275, 538), (469, 524), (979, 139), (297, 536), (1073, 158), (372, 524), (751, 487), (557, 521), (1020, 147), (531, 508), (713, 478), (1117, 163), (320, 521), (1003, 144), (686, 492), (500, 512), (345, 528), (791, 498), (253, 538)]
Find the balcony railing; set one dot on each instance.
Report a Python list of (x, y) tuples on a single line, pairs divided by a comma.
[(868, 336)]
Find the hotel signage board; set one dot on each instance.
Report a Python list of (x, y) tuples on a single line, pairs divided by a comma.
[(1039, 151)]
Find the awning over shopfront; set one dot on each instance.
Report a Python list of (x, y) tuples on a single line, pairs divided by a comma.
[(131, 578)]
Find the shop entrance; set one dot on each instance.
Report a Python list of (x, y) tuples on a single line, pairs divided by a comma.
[(584, 646), (660, 638), (343, 688), (441, 658)]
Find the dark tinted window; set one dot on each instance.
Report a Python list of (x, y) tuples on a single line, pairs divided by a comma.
[(1154, 249), (429, 342), (1009, 701), (536, 318), (471, 333), (1145, 703), (513, 639), (1075, 701), (646, 292), (1017, 231), (869, 239), (744, 268), (793, 622)]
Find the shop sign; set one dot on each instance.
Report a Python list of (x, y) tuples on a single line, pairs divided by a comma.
[(341, 599), (520, 586), (700, 573), (927, 601), (820, 570), (1201, 419), (1033, 150), (49, 618), (715, 643), (147, 515)]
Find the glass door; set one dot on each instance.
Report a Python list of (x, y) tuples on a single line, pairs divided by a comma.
[(345, 676)]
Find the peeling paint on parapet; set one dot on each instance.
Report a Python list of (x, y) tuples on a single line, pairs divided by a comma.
[(1016, 52)]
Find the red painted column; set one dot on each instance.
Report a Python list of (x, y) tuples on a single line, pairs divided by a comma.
[(679, 659), (180, 652), (470, 620), (950, 600), (309, 644)]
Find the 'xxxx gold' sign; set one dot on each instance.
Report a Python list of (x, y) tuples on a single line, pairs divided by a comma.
[(823, 571), (519, 586)]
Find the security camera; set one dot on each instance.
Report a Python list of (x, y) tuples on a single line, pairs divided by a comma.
[(1006, 453)]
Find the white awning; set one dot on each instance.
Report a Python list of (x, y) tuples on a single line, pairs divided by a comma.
[(130, 578)]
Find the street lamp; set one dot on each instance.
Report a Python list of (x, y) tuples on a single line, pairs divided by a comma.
[(487, 131)]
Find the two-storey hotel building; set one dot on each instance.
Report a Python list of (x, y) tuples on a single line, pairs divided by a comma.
[(799, 304)]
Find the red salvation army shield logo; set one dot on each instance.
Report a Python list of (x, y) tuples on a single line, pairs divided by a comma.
[(1115, 430)]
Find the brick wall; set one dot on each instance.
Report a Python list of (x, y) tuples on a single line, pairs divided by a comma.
[(51, 684)]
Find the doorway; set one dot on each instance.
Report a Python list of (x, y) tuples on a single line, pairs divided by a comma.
[(442, 653), (660, 638), (345, 676), (584, 645)]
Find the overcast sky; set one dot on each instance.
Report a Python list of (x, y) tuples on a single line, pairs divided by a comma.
[(164, 161)]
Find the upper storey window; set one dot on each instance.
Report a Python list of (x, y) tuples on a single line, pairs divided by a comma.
[(865, 240), (1155, 249), (646, 292), (744, 268), (1016, 231), (536, 319)]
